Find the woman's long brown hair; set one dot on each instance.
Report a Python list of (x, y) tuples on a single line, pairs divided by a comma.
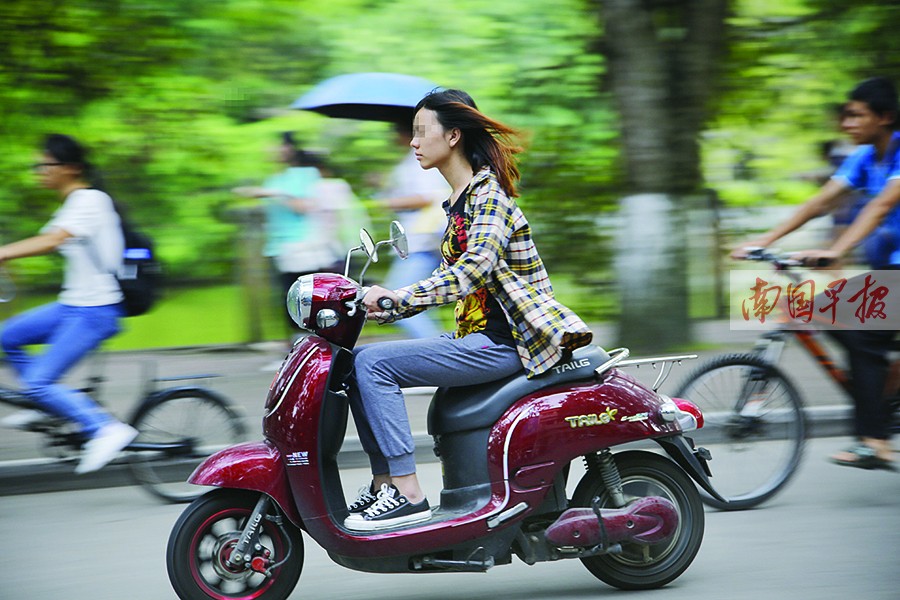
[(485, 141)]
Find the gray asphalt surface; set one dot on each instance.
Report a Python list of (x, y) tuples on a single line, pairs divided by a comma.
[(833, 534)]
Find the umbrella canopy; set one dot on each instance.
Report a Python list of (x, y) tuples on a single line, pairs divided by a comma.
[(367, 96)]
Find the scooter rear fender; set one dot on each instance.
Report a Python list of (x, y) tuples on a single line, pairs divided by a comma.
[(255, 466), (682, 452)]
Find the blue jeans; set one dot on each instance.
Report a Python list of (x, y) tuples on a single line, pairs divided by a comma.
[(381, 369), (416, 267), (69, 332)]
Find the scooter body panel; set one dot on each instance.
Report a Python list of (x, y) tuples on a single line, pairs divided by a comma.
[(526, 449), (253, 466), (542, 433)]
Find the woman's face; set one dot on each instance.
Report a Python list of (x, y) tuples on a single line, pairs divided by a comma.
[(53, 174), (284, 153), (432, 143)]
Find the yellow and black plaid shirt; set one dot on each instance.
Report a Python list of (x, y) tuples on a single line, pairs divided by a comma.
[(502, 257)]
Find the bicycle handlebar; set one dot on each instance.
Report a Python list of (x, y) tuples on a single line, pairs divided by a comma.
[(785, 261)]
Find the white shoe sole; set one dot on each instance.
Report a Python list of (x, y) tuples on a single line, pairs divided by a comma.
[(360, 524), (119, 439)]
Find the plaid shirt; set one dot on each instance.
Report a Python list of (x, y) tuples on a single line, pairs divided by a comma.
[(502, 257)]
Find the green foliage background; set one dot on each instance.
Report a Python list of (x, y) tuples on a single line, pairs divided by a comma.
[(181, 101)]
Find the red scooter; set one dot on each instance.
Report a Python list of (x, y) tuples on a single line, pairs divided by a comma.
[(635, 519)]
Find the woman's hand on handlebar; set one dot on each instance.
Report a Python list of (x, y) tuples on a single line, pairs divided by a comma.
[(371, 299)]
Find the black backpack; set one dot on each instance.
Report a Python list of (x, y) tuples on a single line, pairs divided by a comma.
[(140, 276)]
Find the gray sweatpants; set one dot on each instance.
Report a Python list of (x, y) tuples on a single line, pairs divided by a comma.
[(381, 370)]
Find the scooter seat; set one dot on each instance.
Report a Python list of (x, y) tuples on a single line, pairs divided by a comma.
[(471, 407)]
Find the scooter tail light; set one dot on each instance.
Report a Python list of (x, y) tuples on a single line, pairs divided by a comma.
[(689, 407)]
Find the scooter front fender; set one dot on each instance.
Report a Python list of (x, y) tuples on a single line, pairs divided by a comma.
[(255, 466)]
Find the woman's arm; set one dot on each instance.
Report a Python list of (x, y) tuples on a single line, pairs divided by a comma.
[(488, 235), (43, 243)]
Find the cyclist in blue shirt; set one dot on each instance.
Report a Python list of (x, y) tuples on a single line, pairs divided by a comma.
[(870, 119)]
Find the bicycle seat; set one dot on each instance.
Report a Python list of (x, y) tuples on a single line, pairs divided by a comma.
[(470, 407)]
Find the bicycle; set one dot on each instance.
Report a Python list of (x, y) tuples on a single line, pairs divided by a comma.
[(756, 420), (178, 427)]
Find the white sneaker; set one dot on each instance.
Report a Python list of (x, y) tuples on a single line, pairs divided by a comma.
[(23, 419), (391, 509), (104, 446)]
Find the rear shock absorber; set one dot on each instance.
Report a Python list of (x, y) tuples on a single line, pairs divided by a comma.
[(604, 464)]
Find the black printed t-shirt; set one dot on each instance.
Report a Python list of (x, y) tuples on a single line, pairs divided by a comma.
[(479, 312)]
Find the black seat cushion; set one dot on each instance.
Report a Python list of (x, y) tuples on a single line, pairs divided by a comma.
[(477, 406)]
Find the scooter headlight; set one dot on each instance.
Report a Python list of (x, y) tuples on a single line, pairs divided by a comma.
[(299, 300)]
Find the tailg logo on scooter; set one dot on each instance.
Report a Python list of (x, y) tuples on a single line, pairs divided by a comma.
[(571, 366), (589, 420)]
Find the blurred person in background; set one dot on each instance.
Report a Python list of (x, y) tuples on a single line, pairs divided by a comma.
[(416, 194), (833, 153), (87, 231), (870, 119), (300, 236), (342, 212)]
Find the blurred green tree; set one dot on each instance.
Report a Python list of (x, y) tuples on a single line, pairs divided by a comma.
[(664, 63)]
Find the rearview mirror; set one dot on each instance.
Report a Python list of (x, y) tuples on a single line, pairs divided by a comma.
[(368, 245), (398, 239)]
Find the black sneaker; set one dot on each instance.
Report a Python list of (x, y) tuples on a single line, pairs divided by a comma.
[(391, 509), (364, 499)]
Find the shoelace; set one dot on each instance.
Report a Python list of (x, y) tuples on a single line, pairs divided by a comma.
[(384, 503), (363, 496)]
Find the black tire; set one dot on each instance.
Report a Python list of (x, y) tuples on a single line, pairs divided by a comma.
[(639, 566), (755, 428), (198, 419), (202, 536)]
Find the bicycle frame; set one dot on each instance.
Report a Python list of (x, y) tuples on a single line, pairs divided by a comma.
[(770, 345)]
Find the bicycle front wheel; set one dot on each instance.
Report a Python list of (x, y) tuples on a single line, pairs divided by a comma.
[(755, 427), (177, 430)]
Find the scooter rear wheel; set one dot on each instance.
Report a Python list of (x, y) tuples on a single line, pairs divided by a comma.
[(640, 566), (203, 538)]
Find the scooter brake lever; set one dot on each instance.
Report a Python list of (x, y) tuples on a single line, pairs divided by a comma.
[(353, 305)]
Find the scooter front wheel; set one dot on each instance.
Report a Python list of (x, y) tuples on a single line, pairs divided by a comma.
[(646, 566), (204, 537)]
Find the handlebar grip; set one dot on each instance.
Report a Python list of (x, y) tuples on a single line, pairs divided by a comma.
[(385, 303), (823, 262)]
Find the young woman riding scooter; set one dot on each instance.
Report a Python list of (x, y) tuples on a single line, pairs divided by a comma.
[(507, 318)]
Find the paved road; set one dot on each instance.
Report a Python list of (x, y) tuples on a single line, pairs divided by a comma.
[(833, 534)]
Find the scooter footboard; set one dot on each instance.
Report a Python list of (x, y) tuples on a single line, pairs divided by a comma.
[(255, 466)]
